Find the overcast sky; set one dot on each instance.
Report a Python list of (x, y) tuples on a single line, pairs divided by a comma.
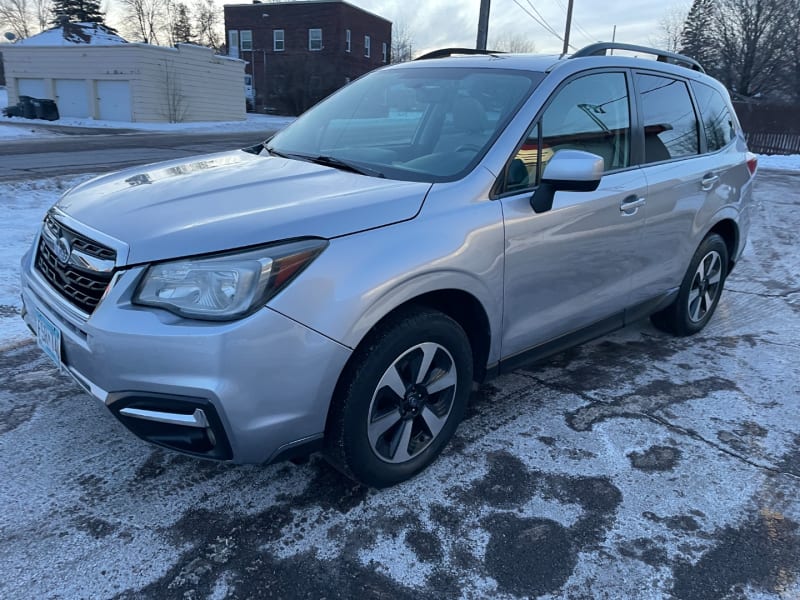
[(454, 23)]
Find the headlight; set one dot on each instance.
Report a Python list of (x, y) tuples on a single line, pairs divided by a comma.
[(225, 287)]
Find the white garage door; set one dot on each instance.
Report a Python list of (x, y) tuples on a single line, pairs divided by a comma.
[(72, 98), (31, 87), (114, 100)]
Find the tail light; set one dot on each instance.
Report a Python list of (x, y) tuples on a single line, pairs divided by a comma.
[(752, 163)]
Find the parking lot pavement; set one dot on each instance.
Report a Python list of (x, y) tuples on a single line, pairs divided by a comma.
[(637, 466)]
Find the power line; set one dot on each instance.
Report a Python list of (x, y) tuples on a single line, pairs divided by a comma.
[(575, 24), (543, 20), (544, 25)]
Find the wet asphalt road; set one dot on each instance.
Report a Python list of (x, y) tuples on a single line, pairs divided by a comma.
[(637, 466)]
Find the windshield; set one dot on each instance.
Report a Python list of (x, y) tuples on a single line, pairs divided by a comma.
[(418, 124)]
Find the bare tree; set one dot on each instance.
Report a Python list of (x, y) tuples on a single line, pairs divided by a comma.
[(41, 12), (793, 67), (146, 19), (206, 17), (15, 16), (670, 28), (175, 102), (516, 43), (402, 43), (754, 38)]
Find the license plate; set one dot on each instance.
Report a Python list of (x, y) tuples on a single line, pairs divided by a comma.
[(48, 338)]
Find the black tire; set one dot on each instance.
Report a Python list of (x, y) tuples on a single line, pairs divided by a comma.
[(700, 290), (361, 407)]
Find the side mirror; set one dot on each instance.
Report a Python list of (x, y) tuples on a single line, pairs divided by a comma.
[(567, 171)]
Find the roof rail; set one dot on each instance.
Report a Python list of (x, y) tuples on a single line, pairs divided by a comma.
[(445, 52), (600, 48)]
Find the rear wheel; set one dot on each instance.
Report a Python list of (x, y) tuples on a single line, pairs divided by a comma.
[(700, 290), (400, 399)]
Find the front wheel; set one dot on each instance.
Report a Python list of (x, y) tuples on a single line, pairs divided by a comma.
[(400, 399), (699, 292)]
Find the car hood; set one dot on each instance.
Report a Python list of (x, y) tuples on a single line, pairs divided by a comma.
[(234, 199)]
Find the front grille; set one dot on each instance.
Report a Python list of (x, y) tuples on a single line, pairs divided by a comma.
[(81, 287)]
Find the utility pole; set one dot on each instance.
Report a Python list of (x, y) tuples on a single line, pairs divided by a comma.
[(483, 25), (569, 25)]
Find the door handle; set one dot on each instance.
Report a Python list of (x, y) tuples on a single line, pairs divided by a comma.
[(708, 181), (631, 205)]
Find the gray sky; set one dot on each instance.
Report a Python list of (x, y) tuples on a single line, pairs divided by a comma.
[(453, 23)]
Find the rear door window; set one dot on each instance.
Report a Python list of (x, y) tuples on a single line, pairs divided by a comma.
[(669, 120), (718, 122)]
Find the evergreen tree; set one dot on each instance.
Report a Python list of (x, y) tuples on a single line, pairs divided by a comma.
[(79, 11), (182, 26), (698, 38)]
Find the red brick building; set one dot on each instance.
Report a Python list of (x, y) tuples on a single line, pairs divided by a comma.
[(299, 52)]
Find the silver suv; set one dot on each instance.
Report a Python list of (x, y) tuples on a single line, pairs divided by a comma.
[(435, 223)]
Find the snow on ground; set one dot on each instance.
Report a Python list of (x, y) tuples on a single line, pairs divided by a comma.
[(39, 128), (22, 208), (783, 163)]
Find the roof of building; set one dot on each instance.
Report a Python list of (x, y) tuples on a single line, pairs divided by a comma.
[(73, 34), (264, 5)]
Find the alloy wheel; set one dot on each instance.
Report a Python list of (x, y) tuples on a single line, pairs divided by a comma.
[(412, 402), (706, 286)]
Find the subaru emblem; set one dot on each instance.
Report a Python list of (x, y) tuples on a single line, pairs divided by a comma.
[(63, 250)]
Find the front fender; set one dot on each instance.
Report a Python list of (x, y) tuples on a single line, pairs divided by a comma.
[(361, 278)]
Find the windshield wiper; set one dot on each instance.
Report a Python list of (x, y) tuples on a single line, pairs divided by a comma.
[(338, 163), (274, 152), (327, 161)]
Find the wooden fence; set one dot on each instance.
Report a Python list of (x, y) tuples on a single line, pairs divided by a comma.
[(770, 128), (773, 143)]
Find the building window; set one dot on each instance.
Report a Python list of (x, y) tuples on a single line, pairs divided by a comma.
[(366, 46), (315, 39), (246, 40), (278, 44), (233, 43), (384, 51), (347, 40)]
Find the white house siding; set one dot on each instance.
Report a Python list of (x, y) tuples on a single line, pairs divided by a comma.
[(187, 83)]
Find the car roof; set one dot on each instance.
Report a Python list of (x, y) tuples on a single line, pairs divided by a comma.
[(523, 62), (547, 63)]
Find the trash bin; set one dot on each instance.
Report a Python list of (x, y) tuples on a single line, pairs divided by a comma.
[(27, 108), (45, 109), (12, 111)]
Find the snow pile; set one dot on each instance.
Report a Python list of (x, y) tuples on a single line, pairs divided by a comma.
[(777, 161), (71, 34), (250, 123)]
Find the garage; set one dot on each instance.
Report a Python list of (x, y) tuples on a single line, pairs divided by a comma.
[(91, 72), (35, 88), (114, 100), (72, 98)]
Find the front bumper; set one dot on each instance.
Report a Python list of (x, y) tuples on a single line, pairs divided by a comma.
[(247, 390)]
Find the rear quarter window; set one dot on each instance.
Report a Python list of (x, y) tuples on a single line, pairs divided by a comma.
[(718, 122)]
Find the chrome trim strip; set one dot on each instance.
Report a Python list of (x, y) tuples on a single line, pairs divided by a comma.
[(90, 263), (196, 419), (121, 248), (76, 257), (87, 385)]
